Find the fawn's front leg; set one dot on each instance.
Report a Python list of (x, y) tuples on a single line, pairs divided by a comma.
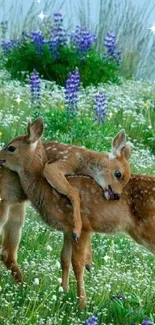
[(11, 234), (55, 175), (4, 209), (79, 257), (66, 255)]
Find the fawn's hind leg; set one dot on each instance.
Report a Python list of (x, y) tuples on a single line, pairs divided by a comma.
[(11, 235), (55, 175), (79, 256), (66, 254), (89, 256)]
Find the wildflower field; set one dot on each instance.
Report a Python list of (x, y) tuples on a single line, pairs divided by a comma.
[(83, 110)]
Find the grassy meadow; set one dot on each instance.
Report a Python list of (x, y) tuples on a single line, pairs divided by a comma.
[(121, 268), (121, 286)]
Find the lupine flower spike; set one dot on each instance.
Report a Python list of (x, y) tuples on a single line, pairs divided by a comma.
[(147, 322), (110, 44), (71, 93), (8, 46), (91, 321), (35, 86), (58, 35), (82, 40), (100, 108), (38, 40)]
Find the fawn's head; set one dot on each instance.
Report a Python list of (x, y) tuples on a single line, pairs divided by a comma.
[(113, 170), (21, 150)]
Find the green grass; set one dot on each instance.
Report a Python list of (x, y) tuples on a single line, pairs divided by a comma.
[(120, 267)]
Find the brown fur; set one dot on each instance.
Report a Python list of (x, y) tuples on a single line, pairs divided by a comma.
[(71, 160), (98, 215), (12, 215)]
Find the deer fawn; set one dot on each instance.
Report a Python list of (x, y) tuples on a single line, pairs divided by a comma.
[(111, 172), (26, 155), (134, 213), (12, 216)]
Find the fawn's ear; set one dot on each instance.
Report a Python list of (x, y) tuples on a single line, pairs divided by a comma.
[(126, 151), (119, 142), (35, 130)]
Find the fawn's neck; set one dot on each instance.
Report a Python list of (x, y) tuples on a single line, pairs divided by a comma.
[(36, 161), (91, 163), (38, 190)]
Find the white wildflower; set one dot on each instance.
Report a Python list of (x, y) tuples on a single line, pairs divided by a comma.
[(36, 281), (60, 289), (59, 280), (57, 264), (49, 248), (54, 297)]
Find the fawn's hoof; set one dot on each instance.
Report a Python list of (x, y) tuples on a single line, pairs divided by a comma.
[(18, 277), (88, 267), (75, 236)]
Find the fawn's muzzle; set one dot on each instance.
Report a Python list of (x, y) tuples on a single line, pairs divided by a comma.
[(110, 195), (116, 196), (2, 162)]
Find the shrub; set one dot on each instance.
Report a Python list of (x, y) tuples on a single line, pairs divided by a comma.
[(61, 53)]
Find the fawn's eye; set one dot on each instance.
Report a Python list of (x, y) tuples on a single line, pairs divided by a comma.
[(117, 174), (11, 148)]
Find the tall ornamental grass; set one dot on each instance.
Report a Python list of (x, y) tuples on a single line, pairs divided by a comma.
[(130, 22)]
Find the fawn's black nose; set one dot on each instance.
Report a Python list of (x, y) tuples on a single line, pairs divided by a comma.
[(116, 196), (2, 162)]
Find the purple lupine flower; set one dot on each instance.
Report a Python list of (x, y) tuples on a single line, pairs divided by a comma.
[(71, 93), (8, 46), (58, 35), (147, 321), (82, 40), (91, 321), (100, 108), (110, 44), (38, 40), (35, 87)]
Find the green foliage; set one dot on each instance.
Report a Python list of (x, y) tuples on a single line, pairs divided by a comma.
[(81, 131), (93, 68), (120, 266), (129, 270)]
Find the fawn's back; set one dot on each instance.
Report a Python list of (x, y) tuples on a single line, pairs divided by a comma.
[(27, 156), (134, 213)]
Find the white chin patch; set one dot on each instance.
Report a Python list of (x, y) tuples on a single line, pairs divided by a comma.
[(112, 155), (107, 196)]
